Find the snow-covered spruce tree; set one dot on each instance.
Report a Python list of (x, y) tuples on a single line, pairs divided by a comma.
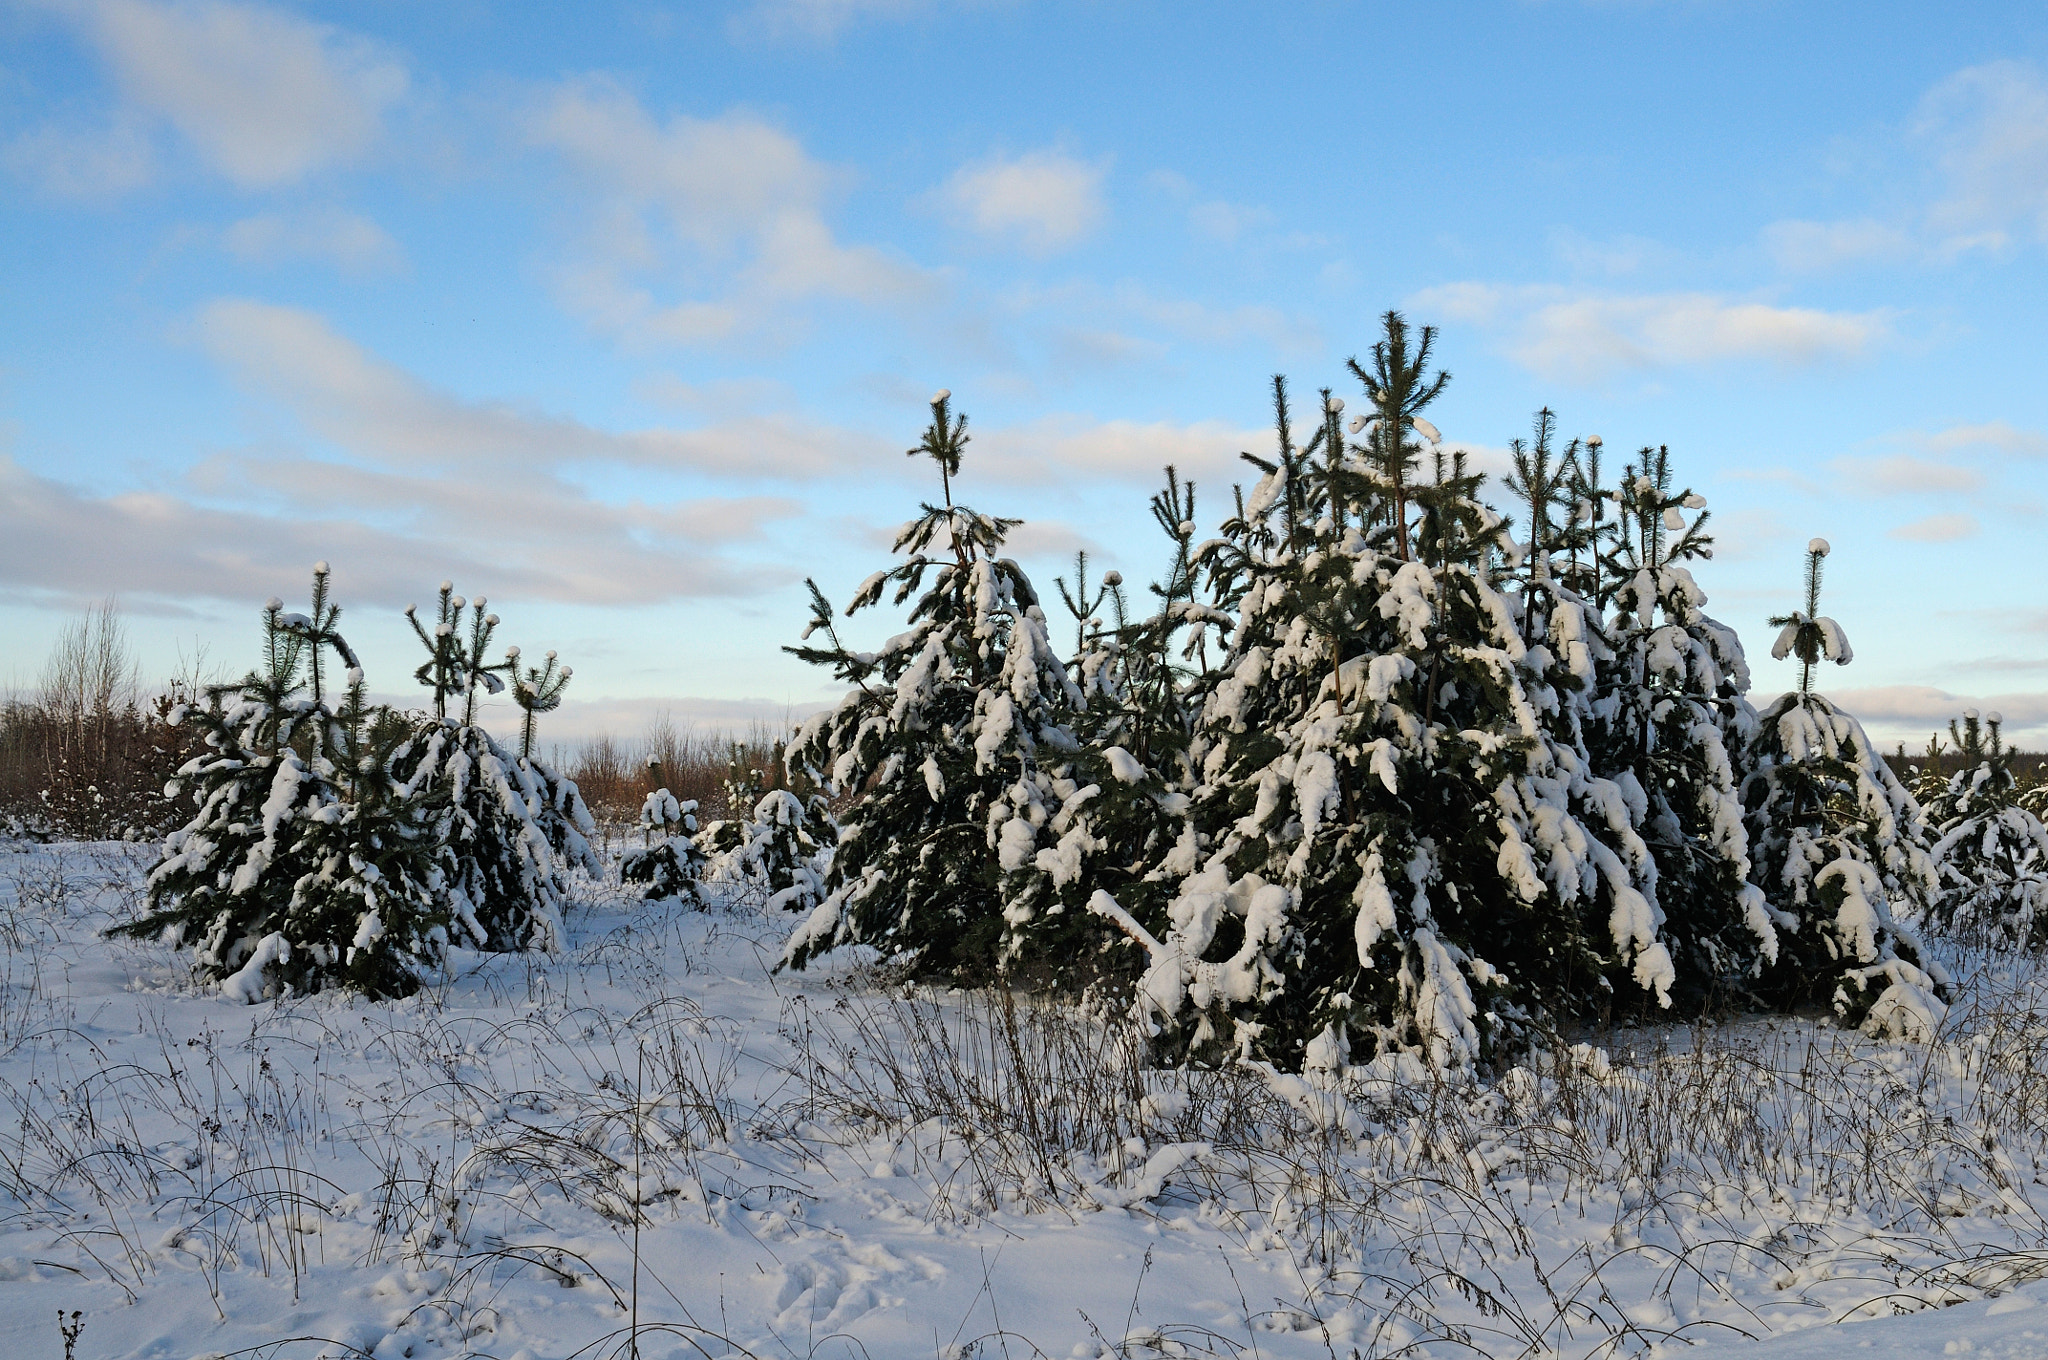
[(306, 864), (942, 724), (512, 829), (1116, 821), (1838, 847), (1991, 853), (668, 863), (1396, 855), (1668, 723)]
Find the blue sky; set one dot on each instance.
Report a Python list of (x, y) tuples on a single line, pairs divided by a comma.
[(625, 322)]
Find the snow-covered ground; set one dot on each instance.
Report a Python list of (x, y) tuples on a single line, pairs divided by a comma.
[(527, 1158)]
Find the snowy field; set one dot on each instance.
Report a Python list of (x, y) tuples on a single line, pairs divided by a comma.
[(538, 1152)]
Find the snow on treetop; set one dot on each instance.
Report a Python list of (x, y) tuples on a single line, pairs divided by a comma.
[(1112, 578), (1969, 715), (511, 653), (943, 394), (1187, 528), (273, 603), (1994, 717), (1817, 546), (1595, 441), (447, 585), (319, 568), (1334, 405)]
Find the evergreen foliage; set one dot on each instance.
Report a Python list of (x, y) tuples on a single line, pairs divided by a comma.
[(668, 865), (1992, 851), (512, 828), (1668, 720), (1392, 850), (939, 738), (1838, 846), (307, 864), (1380, 774)]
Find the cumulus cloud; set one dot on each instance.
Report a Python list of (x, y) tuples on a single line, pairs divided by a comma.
[(1937, 529), (1814, 247), (732, 195), (1226, 222), (347, 240), (373, 409), (264, 96), (818, 20), (1989, 434), (1043, 201), (1587, 337), (1901, 710), (1904, 474), (1988, 129), (101, 160), (1051, 446)]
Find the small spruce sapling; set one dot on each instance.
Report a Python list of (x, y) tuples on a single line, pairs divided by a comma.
[(1838, 847), (1671, 725), (306, 864), (668, 863), (513, 827), (939, 729), (1992, 853)]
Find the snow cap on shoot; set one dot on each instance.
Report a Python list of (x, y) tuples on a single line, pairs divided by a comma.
[(1594, 441), (512, 653), (1969, 715), (1335, 405), (1694, 501), (1672, 519), (447, 585), (1187, 528), (1427, 430), (1357, 424), (551, 656), (943, 394), (1994, 717), (273, 603), (1112, 578), (1817, 546), (491, 619), (319, 568)]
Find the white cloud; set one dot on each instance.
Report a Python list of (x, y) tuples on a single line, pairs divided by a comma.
[(349, 240), (60, 539), (1042, 449), (1044, 201), (84, 162), (1901, 710), (733, 198), (1813, 247), (1988, 128), (1587, 337), (265, 97), (372, 409), (1937, 529), (1903, 474), (1991, 434), (816, 19), (1226, 222)]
